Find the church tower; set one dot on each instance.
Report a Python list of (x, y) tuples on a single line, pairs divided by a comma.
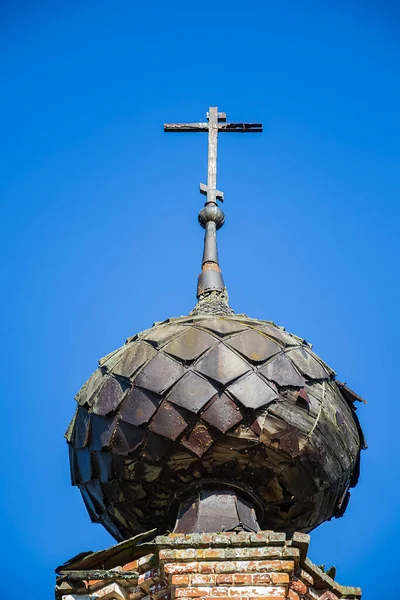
[(209, 446)]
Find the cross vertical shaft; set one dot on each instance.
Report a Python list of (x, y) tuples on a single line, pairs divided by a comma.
[(212, 154)]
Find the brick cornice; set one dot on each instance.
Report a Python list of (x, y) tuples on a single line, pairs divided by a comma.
[(220, 566)]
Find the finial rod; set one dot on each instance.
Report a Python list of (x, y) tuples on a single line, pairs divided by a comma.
[(210, 278)]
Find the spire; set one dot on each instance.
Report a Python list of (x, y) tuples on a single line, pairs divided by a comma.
[(211, 217)]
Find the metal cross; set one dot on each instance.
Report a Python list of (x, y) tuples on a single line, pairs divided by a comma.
[(216, 122)]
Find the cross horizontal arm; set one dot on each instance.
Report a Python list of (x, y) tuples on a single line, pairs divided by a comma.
[(222, 127), (185, 127), (240, 127)]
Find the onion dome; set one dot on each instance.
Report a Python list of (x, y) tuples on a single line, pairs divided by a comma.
[(214, 421), (220, 401)]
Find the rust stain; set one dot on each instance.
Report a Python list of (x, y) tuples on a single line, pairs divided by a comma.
[(211, 266)]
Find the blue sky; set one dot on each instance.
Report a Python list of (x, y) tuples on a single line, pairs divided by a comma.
[(100, 238)]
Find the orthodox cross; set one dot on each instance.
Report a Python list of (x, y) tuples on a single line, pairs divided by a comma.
[(216, 122), (211, 216)]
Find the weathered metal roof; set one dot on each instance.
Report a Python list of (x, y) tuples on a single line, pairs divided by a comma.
[(115, 555)]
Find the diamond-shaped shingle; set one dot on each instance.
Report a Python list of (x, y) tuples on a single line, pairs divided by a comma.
[(255, 346), (192, 392), (160, 335), (103, 465), (82, 425), (83, 465), (191, 344), (253, 392), (199, 439), (222, 365), (127, 438), (108, 396), (101, 430), (159, 374), (281, 371), (170, 421), (222, 413), (280, 335), (221, 325), (85, 394), (134, 356), (139, 406), (307, 363)]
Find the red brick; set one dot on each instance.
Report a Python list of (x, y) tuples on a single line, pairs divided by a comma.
[(190, 567), (166, 555), (220, 591), (180, 580), (259, 538), (192, 592), (145, 562), (276, 538), (91, 582), (209, 567), (206, 538), (242, 579), (241, 539), (299, 586), (256, 591), (262, 578), (201, 579), (220, 539), (188, 554), (280, 578), (131, 566), (214, 553), (224, 579), (306, 577)]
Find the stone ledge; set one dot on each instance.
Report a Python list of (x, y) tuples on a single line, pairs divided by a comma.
[(218, 540), (224, 554)]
